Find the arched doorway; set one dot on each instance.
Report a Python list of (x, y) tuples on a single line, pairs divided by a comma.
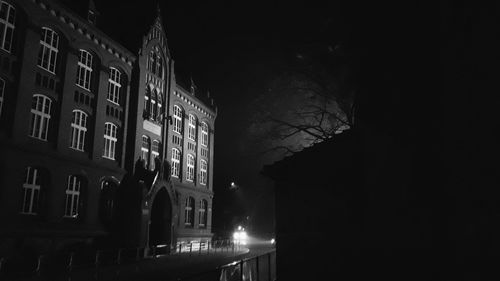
[(161, 216)]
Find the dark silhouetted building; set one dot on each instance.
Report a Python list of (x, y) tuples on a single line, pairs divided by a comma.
[(96, 141)]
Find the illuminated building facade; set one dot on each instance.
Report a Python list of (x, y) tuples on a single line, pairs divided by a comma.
[(83, 121)]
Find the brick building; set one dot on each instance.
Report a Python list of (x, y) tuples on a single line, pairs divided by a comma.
[(85, 123)]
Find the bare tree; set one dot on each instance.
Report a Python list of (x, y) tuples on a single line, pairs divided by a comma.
[(309, 102)]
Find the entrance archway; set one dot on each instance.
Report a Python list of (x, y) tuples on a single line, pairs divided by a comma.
[(161, 217)]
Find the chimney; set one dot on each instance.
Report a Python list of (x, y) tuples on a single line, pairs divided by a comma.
[(92, 13)]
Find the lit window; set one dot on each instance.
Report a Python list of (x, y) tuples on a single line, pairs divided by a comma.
[(31, 188), (47, 55), (146, 143), (177, 120), (190, 168), (114, 85), (202, 213), (192, 127), (151, 61), (78, 130), (155, 151), (84, 69), (147, 102), (73, 196), (7, 19), (189, 211), (204, 134), (176, 162), (159, 105), (2, 89), (40, 117), (153, 112), (110, 139), (203, 172)]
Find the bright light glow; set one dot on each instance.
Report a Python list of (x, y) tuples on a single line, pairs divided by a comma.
[(240, 228), (240, 237), (272, 241)]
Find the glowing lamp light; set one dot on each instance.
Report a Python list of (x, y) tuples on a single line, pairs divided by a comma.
[(273, 241)]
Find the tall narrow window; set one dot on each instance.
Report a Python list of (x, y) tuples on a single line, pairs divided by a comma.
[(114, 85), (176, 162), (78, 130), (73, 190), (177, 120), (160, 68), (31, 188), (2, 89), (159, 105), (110, 139), (189, 211), (47, 55), (151, 61), (190, 168), (154, 110), (155, 152), (147, 103), (84, 71), (40, 117), (202, 213), (203, 172), (192, 127), (146, 144), (204, 134), (7, 20)]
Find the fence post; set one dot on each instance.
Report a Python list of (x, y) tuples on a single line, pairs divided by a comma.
[(97, 258), (180, 249), (39, 265), (208, 248), (190, 248), (119, 256), (269, 265), (241, 270), (70, 263), (257, 268)]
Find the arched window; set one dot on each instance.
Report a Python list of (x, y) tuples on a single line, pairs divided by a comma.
[(47, 55), (176, 162), (114, 85), (110, 139), (32, 185), (190, 168), (2, 89), (177, 120), (155, 152), (107, 201), (204, 134), (189, 211), (203, 172), (192, 127), (202, 213), (73, 192), (153, 63), (78, 130), (40, 117), (84, 71), (7, 21), (146, 144)]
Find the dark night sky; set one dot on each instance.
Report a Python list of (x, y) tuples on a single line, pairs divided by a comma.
[(231, 49)]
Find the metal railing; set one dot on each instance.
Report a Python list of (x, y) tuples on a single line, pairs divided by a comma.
[(67, 263), (258, 268)]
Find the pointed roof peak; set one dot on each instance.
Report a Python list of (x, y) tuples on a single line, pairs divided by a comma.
[(92, 6), (158, 10)]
